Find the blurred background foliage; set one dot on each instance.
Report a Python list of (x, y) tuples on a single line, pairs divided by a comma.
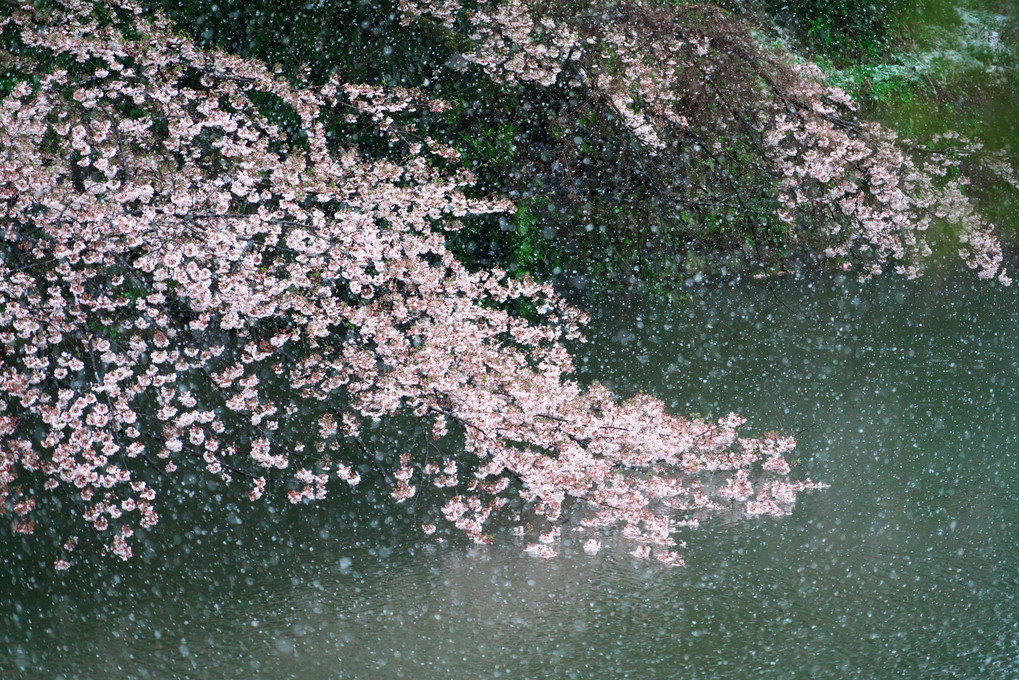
[(591, 215)]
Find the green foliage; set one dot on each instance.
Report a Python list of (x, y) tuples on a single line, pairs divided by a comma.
[(586, 200), (363, 40), (956, 72), (845, 31)]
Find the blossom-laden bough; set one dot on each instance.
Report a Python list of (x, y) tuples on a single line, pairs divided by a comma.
[(186, 282), (721, 125)]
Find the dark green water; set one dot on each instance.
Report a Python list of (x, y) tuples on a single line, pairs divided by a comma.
[(907, 567)]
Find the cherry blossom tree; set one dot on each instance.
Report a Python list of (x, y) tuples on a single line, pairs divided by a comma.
[(691, 83), (197, 274)]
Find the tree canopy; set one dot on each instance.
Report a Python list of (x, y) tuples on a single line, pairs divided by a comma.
[(200, 270)]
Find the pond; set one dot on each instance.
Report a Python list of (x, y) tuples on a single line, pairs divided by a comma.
[(905, 398)]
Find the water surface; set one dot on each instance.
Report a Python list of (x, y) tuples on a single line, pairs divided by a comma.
[(904, 396)]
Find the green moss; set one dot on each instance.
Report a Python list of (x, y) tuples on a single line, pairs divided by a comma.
[(959, 72)]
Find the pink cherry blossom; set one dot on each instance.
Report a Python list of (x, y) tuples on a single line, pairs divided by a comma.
[(163, 276)]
